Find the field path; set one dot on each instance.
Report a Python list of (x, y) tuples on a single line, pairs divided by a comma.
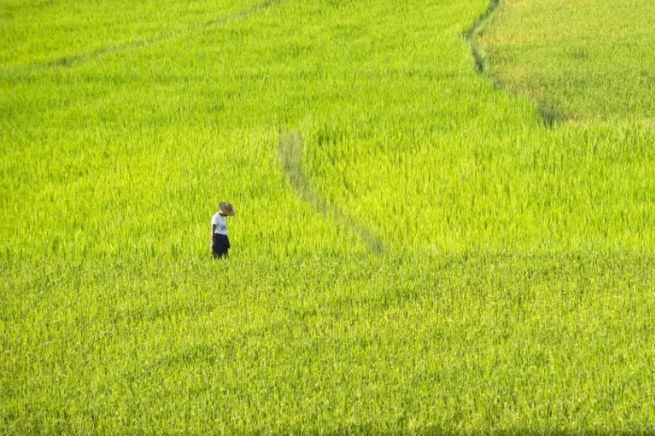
[(549, 117), (69, 61), (290, 146), (476, 30)]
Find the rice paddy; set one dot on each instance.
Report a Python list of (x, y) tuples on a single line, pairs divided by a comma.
[(417, 247)]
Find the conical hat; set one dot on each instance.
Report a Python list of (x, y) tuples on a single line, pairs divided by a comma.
[(226, 208)]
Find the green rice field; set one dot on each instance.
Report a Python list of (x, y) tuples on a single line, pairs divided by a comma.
[(445, 216)]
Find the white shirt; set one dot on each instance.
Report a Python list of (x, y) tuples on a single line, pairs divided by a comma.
[(221, 224)]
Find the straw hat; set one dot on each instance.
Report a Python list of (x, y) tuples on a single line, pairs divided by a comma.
[(226, 208)]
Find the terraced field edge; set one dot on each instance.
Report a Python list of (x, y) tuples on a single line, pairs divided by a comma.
[(290, 149), (549, 116), (69, 61)]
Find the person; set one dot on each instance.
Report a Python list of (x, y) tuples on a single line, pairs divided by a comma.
[(220, 242)]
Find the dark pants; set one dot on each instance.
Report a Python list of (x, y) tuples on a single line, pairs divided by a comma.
[(220, 245)]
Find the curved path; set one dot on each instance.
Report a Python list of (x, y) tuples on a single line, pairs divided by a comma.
[(70, 61), (549, 117), (290, 146), (476, 30)]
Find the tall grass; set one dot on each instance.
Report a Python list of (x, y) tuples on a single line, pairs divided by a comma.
[(412, 249), (584, 60)]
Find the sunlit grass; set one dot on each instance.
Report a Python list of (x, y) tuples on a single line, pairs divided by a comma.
[(424, 256), (580, 60)]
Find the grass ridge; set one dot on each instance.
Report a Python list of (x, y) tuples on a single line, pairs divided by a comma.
[(548, 114), (69, 61), (290, 148), (473, 34)]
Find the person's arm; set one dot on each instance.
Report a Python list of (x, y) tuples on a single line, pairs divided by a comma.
[(214, 223)]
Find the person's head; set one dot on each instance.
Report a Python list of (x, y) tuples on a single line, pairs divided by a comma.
[(225, 209)]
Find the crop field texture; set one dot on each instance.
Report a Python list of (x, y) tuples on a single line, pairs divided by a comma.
[(445, 219), (580, 60)]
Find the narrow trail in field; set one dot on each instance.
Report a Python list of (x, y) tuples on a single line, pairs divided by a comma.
[(549, 117), (69, 61), (290, 148), (475, 32)]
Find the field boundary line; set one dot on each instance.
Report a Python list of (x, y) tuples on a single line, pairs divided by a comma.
[(290, 149), (549, 116), (475, 32), (73, 60)]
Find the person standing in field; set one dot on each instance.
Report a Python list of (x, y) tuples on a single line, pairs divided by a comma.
[(220, 242)]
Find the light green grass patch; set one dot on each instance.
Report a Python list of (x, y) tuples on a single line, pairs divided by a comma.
[(513, 290), (580, 60)]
